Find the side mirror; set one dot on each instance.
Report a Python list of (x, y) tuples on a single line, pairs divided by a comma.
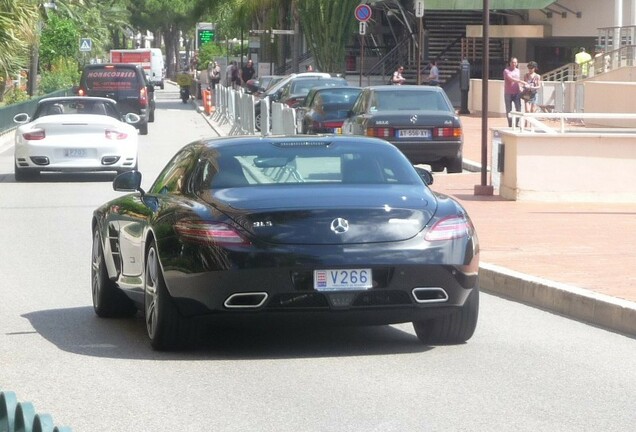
[(425, 175), (129, 181), (132, 118), (21, 118)]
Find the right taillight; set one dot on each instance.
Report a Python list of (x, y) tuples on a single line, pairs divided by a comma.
[(449, 228), (143, 97)]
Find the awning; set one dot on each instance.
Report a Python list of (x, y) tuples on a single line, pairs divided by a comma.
[(479, 4)]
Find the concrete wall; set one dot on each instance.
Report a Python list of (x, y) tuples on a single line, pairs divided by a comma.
[(610, 97), (572, 167)]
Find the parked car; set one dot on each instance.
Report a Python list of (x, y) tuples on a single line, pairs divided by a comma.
[(257, 86), (325, 108), (419, 120), (273, 93), (75, 134), (242, 229), (294, 92), (126, 84)]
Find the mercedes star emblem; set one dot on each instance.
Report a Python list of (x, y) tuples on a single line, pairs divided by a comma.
[(339, 225), (414, 119)]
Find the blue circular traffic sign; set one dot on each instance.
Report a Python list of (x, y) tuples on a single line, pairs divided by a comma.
[(363, 13)]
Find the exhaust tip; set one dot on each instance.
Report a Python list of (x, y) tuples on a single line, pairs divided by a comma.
[(247, 300), (430, 295)]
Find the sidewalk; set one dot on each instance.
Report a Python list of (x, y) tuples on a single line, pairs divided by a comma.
[(571, 259)]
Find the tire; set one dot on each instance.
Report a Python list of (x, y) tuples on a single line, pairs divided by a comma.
[(143, 129), (165, 326), (257, 121), (454, 328), (151, 116), (437, 167), (454, 166), (108, 300), (162, 85), (25, 174)]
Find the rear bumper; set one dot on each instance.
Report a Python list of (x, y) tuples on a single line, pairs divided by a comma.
[(429, 151)]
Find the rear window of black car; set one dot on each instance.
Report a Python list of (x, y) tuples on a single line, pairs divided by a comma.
[(111, 79), (409, 101)]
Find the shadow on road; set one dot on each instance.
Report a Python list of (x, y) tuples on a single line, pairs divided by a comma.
[(80, 331)]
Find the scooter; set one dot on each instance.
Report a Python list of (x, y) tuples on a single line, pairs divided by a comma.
[(184, 81)]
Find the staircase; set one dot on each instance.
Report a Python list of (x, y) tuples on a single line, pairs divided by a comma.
[(443, 40)]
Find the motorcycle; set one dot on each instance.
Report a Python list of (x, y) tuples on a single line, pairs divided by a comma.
[(184, 80)]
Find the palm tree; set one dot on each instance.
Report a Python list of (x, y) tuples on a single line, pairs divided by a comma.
[(16, 32)]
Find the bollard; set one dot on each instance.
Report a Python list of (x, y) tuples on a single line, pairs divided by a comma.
[(24, 416), (8, 402)]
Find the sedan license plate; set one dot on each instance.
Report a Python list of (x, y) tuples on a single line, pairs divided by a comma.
[(343, 279), (414, 133), (75, 153)]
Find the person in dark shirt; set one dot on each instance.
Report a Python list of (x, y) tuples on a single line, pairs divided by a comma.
[(247, 72)]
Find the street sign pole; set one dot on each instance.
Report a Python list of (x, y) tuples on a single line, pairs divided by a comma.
[(419, 13), (362, 13)]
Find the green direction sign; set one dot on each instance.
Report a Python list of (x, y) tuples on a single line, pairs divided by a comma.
[(204, 36)]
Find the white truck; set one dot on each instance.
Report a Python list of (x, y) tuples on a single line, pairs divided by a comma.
[(151, 59)]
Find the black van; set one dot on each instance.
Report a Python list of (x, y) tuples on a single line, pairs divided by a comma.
[(126, 84)]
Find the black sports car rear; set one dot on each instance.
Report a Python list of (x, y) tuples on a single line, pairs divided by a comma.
[(341, 229)]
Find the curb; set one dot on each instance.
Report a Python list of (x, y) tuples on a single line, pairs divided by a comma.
[(567, 300)]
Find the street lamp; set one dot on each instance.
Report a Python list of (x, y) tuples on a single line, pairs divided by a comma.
[(35, 52)]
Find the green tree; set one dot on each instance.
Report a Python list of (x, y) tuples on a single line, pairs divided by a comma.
[(327, 26), (16, 34), (59, 39)]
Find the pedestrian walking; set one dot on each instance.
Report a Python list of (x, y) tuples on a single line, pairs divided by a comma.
[(433, 74), (214, 74), (531, 85), (397, 78), (583, 59), (512, 89)]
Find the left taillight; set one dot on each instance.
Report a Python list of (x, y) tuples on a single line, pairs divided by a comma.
[(34, 135), (380, 132), (449, 228), (115, 135), (209, 232)]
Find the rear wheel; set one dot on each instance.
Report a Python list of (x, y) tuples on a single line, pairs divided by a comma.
[(437, 167), (454, 328), (143, 129), (166, 328), (454, 165), (25, 174), (151, 116), (108, 300)]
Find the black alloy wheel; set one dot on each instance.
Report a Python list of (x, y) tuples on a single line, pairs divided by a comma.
[(166, 328)]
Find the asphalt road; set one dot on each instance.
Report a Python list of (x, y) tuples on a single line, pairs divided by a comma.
[(524, 370)]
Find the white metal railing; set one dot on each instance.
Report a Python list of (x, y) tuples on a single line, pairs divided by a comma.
[(532, 122), (602, 62), (236, 108)]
